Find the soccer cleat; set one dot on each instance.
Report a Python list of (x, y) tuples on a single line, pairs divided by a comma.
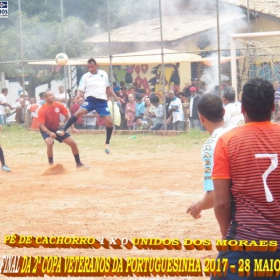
[(107, 148), (81, 166), (60, 132), (6, 168)]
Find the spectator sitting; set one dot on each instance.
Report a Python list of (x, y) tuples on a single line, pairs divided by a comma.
[(21, 109), (157, 115), (139, 111)]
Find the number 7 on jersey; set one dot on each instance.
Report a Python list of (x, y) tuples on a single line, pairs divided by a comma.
[(273, 165)]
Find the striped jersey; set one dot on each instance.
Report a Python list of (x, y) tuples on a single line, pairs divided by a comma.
[(248, 156), (94, 84)]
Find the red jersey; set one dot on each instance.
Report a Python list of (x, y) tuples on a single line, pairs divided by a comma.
[(49, 115), (248, 156)]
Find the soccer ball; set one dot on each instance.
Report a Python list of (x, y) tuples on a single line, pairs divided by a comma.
[(61, 59)]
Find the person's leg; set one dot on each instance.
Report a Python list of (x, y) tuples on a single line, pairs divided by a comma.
[(49, 143), (75, 151), (2, 159), (109, 130), (73, 119)]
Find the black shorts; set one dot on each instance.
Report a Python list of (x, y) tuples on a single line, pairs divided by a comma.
[(58, 138)]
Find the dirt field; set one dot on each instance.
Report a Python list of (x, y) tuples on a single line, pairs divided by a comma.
[(142, 189)]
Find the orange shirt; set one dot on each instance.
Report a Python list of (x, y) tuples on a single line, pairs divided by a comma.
[(248, 156), (49, 115)]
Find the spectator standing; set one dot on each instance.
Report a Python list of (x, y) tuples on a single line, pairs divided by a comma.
[(176, 112), (130, 112), (194, 118), (3, 104)]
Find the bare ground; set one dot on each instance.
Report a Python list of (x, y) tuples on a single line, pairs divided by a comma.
[(129, 193)]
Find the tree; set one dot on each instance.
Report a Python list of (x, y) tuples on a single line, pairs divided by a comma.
[(41, 40)]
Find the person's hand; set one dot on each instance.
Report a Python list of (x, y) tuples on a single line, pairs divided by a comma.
[(194, 211), (168, 121), (120, 100), (75, 131), (52, 135)]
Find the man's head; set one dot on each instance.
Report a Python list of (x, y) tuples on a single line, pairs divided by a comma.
[(4, 91), (210, 107), (130, 97), (176, 88), (155, 100), (92, 66), (80, 100), (49, 97), (257, 100), (32, 100), (124, 90), (138, 98), (193, 91), (61, 89), (171, 94), (41, 95), (228, 95)]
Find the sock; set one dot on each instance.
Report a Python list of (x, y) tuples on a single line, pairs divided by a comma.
[(70, 122), (77, 159), (2, 158), (109, 131), (50, 160)]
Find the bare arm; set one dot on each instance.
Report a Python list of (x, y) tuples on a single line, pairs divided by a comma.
[(206, 202), (110, 92), (222, 204), (44, 129)]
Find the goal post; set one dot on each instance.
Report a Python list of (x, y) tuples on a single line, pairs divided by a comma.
[(254, 55)]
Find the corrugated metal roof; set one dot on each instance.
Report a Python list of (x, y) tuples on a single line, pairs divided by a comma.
[(174, 28), (268, 7)]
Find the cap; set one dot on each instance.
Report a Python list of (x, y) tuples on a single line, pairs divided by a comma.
[(192, 88)]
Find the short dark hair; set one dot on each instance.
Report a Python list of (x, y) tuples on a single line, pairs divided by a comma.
[(91, 60), (229, 93), (41, 94), (258, 99), (154, 99), (4, 90), (210, 106)]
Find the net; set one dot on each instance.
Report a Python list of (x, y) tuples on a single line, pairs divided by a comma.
[(257, 57)]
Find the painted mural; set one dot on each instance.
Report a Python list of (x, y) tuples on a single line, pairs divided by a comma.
[(148, 77)]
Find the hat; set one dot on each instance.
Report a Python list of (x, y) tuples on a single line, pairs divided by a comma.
[(192, 88), (25, 93), (138, 96)]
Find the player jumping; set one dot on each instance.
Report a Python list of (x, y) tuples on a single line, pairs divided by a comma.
[(94, 87)]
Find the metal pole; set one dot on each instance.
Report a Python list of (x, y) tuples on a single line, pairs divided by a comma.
[(110, 57), (162, 66), (63, 49), (218, 42), (22, 63), (248, 16)]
